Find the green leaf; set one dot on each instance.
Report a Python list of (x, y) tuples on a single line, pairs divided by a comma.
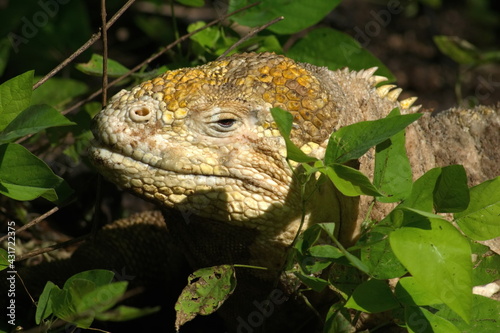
[(447, 270), (316, 48), (44, 306), (32, 120), (124, 313), (23, 176), (101, 298), (206, 38), (192, 3), (94, 67), (212, 40), (421, 196), (484, 315), (66, 302), (4, 263), (407, 211), (420, 320), (481, 221), (344, 279), (299, 14), (62, 304), (15, 96), (405, 216), (315, 283), (284, 121), (486, 264), (78, 288), (269, 43), (377, 254), (308, 238), (451, 193), (85, 294), (393, 174), (311, 265), (350, 181), (325, 251), (409, 292), (460, 50), (329, 228), (372, 296), (351, 142), (58, 92), (100, 277), (206, 291), (338, 320)]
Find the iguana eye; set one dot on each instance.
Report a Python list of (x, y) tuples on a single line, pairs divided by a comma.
[(226, 123), (223, 123)]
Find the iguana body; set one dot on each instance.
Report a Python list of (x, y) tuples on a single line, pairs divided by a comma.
[(201, 143)]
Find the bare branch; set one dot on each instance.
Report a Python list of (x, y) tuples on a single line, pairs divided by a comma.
[(104, 33), (33, 222), (37, 252)]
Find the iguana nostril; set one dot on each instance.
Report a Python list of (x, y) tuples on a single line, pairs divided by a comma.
[(140, 114)]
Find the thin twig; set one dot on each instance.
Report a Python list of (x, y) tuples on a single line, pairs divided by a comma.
[(252, 33), (95, 37), (20, 278), (34, 221), (104, 32), (175, 27), (155, 56), (51, 248)]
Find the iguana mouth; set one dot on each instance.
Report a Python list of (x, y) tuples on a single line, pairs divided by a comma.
[(108, 159)]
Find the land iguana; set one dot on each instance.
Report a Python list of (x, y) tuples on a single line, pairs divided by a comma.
[(201, 144), (202, 141)]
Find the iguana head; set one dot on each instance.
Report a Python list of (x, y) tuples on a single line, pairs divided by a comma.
[(202, 139)]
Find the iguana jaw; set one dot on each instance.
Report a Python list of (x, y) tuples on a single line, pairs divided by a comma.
[(209, 195)]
